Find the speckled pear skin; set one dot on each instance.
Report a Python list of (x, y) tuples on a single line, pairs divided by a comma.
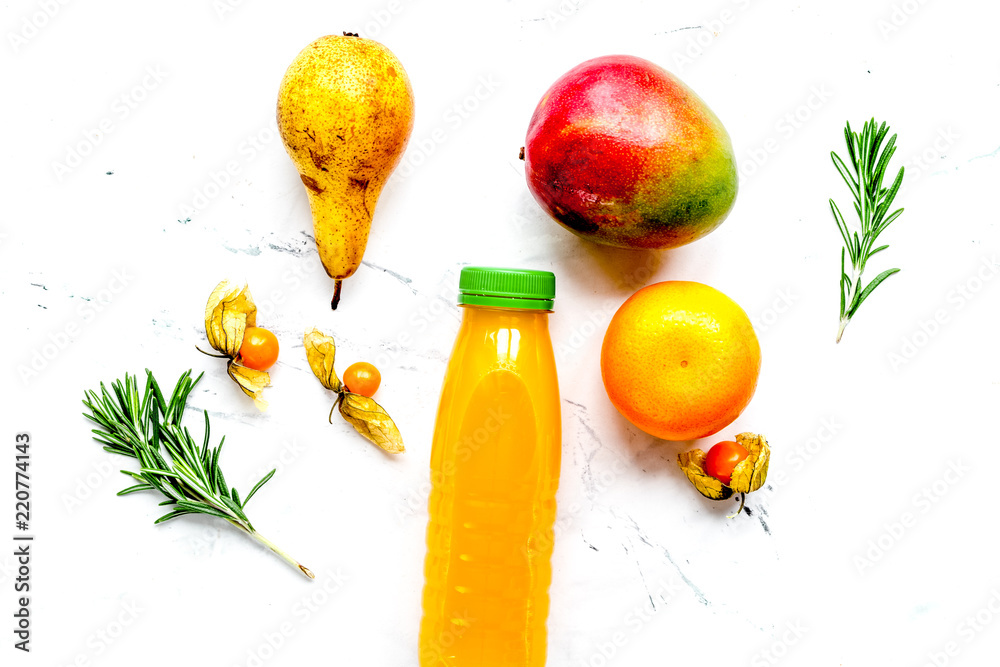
[(345, 114), (621, 152)]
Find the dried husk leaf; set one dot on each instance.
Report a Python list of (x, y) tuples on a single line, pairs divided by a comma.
[(252, 382), (370, 420), (321, 351), (693, 465), (751, 473), (229, 311)]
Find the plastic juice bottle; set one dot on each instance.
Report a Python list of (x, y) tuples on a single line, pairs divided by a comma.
[(494, 473)]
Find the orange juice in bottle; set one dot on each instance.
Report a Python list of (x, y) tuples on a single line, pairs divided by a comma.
[(494, 473)]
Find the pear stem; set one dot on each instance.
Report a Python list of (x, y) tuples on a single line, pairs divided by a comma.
[(337, 285)]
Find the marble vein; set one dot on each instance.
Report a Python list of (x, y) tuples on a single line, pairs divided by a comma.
[(406, 282), (687, 581)]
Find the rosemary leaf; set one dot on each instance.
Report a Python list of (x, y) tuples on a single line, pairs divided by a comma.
[(869, 155), (187, 474)]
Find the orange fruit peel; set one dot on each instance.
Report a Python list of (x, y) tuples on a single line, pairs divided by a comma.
[(680, 360)]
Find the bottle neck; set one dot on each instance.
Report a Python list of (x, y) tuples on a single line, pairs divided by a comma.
[(503, 336), (474, 314)]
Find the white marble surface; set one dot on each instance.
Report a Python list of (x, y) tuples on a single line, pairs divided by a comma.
[(865, 549)]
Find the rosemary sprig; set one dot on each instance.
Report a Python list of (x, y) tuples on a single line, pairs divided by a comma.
[(869, 161), (148, 428)]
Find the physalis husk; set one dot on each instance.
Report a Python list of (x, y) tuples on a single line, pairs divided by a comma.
[(366, 416), (228, 313), (748, 475)]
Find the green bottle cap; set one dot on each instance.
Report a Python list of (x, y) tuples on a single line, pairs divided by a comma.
[(506, 288)]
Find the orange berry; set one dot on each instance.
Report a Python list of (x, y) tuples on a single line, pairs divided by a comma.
[(259, 350), (362, 378), (722, 458)]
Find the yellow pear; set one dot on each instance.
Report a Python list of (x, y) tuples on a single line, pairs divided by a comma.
[(345, 113)]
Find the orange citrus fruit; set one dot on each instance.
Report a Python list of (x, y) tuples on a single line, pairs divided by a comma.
[(680, 360)]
